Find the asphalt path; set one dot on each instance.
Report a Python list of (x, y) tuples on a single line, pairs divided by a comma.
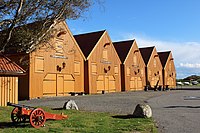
[(177, 112)]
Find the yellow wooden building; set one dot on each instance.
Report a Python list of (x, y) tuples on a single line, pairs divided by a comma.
[(153, 68), (55, 68), (168, 71), (132, 67), (102, 65), (9, 73)]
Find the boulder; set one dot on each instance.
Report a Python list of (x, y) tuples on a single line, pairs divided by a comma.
[(142, 111), (70, 104)]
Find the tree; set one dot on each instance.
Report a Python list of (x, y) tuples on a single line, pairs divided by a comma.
[(16, 17)]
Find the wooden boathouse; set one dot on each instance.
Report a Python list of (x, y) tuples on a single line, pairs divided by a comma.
[(168, 71), (9, 73), (55, 68), (102, 65), (153, 68), (132, 67)]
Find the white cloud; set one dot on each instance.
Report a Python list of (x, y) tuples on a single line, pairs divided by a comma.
[(186, 54), (189, 65)]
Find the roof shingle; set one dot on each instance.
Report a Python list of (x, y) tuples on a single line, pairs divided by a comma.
[(8, 67), (87, 41), (146, 53), (123, 48), (163, 57)]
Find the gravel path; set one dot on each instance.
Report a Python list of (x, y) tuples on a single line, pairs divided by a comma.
[(117, 103), (178, 112)]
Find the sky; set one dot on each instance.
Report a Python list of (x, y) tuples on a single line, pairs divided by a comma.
[(170, 25)]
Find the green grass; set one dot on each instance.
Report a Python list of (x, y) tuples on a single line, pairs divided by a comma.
[(80, 122)]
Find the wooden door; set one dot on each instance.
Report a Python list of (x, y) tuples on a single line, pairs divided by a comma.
[(170, 82), (132, 83), (153, 81), (69, 83), (136, 83), (139, 80), (111, 86), (60, 85), (49, 85), (106, 84), (100, 84)]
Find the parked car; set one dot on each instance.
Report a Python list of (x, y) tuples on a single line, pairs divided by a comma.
[(195, 82), (186, 83), (179, 83)]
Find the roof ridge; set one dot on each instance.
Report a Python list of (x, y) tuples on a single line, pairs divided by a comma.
[(93, 32)]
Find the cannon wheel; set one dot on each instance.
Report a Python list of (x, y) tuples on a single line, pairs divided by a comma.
[(16, 116), (37, 118)]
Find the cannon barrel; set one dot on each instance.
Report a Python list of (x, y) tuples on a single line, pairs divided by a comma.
[(19, 105)]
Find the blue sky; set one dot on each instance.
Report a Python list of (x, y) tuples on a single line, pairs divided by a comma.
[(169, 25)]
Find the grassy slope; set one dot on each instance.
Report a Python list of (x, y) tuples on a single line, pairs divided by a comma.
[(80, 122)]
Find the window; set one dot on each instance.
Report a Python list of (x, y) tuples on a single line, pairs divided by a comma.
[(77, 68), (154, 62), (142, 72), (59, 48), (149, 73), (105, 55), (170, 66), (39, 64), (134, 60), (128, 71), (116, 70), (94, 68)]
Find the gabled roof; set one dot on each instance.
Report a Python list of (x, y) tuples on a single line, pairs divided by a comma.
[(146, 53), (123, 48), (7, 67), (88, 41), (163, 57)]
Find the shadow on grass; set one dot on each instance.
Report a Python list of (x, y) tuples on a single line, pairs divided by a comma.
[(57, 108), (182, 107), (124, 116), (12, 125)]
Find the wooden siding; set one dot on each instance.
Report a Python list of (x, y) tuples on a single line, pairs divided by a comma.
[(169, 73), (64, 63), (136, 79), (60, 58), (103, 67), (154, 70), (8, 90), (133, 65)]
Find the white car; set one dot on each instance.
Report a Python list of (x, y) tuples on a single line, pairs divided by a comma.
[(186, 83), (195, 82), (179, 83)]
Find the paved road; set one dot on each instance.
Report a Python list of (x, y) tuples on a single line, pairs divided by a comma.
[(117, 103), (174, 111), (177, 112)]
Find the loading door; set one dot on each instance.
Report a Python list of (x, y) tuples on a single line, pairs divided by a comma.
[(135, 83), (106, 84), (58, 84)]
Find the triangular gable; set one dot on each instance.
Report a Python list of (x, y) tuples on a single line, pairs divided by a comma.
[(88, 41), (146, 53), (164, 57), (123, 48), (8, 67), (32, 28), (74, 40)]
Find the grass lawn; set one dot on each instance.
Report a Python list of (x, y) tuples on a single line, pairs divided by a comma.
[(80, 122)]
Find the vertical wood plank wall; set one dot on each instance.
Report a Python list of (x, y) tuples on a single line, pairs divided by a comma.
[(8, 90)]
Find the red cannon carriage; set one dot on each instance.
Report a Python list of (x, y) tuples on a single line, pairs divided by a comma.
[(37, 116)]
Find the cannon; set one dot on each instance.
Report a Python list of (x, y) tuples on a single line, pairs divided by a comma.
[(37, 116)]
